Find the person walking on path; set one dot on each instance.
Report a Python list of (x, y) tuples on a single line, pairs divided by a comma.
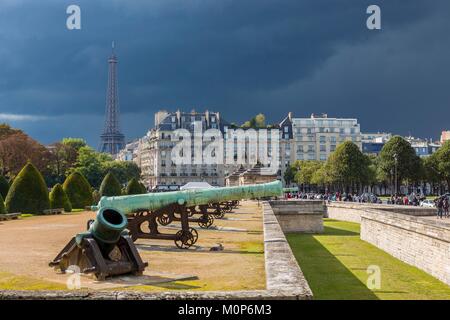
[(445, 206), (439, 206)]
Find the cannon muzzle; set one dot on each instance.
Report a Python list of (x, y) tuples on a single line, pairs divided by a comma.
[(106, 249)]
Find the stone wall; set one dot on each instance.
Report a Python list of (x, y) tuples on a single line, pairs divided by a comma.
[(351, 211), (304, 216), (420, 242), (282, 270)]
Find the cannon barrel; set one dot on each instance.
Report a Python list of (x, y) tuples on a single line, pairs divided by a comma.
[(155, 201)]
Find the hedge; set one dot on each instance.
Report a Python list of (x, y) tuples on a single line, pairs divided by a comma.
[(134, 187), (28, 193), (110, 186), (4, 187), (78, 191), (2, 205), (59, 198)]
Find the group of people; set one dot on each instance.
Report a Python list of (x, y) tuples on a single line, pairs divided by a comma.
[(336, 196), (442, 205), (413, 200)]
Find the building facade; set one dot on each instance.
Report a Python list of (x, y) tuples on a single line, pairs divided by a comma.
[(314, 138), (156, 161), (445, 136)]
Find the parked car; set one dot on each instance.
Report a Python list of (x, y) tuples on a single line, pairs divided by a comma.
[(427, 203)]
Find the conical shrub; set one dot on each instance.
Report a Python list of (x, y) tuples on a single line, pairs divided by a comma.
[(110, 186), (143, 188), (59, 199), (28, 193), (134, 187), (4, 187), (78, 191), (2, 205)]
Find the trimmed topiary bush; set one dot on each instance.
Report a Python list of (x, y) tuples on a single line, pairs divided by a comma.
[(28, 193), (143, 188), (59, 199), (110, 186), (134, 187), (4, 187), (2, 205), (78, 191)]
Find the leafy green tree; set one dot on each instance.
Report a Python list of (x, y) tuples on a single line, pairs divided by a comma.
[(439, 164), (59, 198), (4, 186), (28, 193), (257, 122), (2, 205), (305, 171), (134, 187), (110, 186), (347, 166), (90, 164), (289, 174), (398, 156), (124, 171), (78, 190)]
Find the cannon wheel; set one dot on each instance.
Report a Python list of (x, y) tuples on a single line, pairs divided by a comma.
[(219, 213), (185, 239), (206, 222), (164, 219), (194, 235)]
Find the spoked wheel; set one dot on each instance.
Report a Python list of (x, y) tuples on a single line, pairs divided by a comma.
[(164, 219), (194, 234), (219, 213), (184, 239), (206, 222)]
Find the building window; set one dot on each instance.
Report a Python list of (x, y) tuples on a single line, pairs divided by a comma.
[(323, 148), (323, 157)]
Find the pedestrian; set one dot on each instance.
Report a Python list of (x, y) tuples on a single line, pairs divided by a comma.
[(439, 206), (445, 206)]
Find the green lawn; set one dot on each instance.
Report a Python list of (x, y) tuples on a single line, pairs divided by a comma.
[(335, 264)]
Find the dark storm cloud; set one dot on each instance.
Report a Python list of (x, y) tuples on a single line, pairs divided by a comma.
[(237, 57)]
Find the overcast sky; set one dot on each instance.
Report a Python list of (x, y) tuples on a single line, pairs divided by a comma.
[(239, 57)]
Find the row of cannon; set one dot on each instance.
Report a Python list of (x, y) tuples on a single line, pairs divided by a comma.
[(107, 247)]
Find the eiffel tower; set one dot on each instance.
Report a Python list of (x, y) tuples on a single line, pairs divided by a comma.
[(112, 140)]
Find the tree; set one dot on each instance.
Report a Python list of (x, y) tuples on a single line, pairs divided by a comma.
[(289, 175), (28, 192), (439, 164), (63, 156), (17, 148), (4, 186), (2, 205), (95, 165), (399, 160), (110, 186), (257, 122), (347, 166), (78, 190), (59, 199), (134, 187)]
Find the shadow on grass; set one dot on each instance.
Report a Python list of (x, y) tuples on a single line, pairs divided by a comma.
[(330, 231), (328, 278)]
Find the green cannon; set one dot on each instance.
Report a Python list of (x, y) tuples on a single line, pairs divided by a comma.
[(106, 249), (144, 210)]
